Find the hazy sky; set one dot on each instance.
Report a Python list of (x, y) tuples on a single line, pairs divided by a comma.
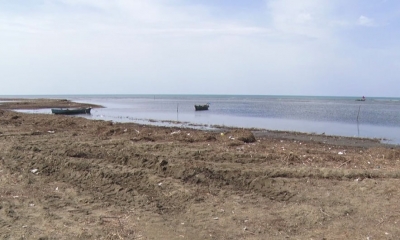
[(268, 47)]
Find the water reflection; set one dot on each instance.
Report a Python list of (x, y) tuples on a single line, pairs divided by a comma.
[(209, 118)]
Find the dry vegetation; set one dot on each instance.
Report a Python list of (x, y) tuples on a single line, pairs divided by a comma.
[(72, 178)]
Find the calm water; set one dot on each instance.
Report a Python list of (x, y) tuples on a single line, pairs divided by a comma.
[(377, 117)]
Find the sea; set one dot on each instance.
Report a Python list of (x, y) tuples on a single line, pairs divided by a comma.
[(376, 117)]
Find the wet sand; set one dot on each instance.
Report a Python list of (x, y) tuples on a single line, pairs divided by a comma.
[(64, 177)]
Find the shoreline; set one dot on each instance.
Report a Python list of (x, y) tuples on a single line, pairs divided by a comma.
[(31, 104)]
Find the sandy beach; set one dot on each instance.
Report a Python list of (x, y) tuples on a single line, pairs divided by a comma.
[(64, 177)]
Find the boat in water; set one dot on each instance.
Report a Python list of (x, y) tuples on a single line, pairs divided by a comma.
[(361, 99), (71, 111), (201, 107)]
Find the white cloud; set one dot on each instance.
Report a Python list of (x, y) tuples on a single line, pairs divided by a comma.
[(308, 18), (365, 21), (160, 44), (101, 4)]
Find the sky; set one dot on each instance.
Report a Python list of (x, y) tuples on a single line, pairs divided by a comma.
[(260, 47)]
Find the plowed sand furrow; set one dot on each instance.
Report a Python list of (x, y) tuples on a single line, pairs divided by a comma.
[(102, 180)]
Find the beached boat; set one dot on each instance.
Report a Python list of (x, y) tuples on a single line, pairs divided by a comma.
[(70, 111), (201, 107)]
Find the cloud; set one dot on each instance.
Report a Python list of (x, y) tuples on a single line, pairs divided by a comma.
[(150, 17), (160, 44), (365, 21), (307, 18)]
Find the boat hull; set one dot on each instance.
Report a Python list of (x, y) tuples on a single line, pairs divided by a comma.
[(70, 111), (201, 107)]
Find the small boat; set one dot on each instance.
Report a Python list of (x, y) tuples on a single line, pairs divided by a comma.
[(201, 107), (361, 99), (70, 111)]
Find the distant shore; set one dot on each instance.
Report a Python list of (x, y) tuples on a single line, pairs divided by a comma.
[(23, 103)]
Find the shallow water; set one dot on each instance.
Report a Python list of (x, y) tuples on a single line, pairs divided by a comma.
[(374, 118)]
